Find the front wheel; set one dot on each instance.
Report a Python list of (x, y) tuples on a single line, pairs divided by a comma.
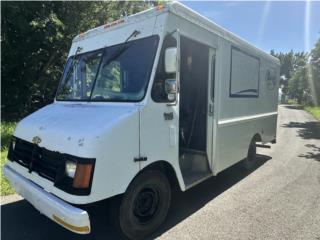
[(144, 205)]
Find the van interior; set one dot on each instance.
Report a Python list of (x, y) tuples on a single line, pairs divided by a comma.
[(194, 70)]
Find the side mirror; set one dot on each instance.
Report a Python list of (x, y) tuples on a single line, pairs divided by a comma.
[(170, 60), (171, 86), (171, 89)]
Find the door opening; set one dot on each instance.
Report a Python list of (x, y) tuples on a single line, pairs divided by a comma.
[(194, 71)]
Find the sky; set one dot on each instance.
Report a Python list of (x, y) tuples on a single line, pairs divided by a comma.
[(281, 26)]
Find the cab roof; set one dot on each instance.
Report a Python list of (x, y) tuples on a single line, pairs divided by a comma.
[(182, 11)]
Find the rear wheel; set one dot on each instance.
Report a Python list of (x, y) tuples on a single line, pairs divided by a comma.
[(144, 205), (251, 158)]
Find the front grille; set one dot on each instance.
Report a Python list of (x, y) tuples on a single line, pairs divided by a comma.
[(36, 159), (48, 164)]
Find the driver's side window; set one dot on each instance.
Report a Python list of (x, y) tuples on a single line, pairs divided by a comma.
[(158, 92)]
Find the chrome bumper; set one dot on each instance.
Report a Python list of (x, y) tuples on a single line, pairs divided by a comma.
[(68, 216)]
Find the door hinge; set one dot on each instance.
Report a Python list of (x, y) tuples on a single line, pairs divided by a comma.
[(140, 159)]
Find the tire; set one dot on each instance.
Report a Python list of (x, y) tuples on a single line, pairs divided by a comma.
[(250, 162), (144, 206)]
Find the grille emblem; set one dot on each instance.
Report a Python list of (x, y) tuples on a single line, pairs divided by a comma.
[(36, 140)]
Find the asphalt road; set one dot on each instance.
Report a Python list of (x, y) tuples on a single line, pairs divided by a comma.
[(280, 199)]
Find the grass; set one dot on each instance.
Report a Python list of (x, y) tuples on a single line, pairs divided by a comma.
[(7, 129), (292, 101), (314, 111)]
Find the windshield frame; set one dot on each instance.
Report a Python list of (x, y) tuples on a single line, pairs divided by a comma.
[(157, 38)]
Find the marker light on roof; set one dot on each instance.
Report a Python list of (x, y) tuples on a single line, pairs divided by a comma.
[(81, 35), (114, 23)]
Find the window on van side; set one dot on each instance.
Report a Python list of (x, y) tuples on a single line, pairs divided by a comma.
[(244, 74), (158, 93)]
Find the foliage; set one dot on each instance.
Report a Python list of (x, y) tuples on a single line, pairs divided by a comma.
[(7, 129), (315, 71), (35, 39), (289, 63), (299, 87), (292, 101), (6, 189), (315, 111), (301, 75)]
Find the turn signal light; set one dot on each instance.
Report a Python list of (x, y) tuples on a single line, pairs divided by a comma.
[(82, 176)]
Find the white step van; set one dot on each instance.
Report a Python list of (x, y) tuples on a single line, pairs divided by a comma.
[(158, 97)]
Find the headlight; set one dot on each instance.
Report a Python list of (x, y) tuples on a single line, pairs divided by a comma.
[(70, 169), (75, 175)]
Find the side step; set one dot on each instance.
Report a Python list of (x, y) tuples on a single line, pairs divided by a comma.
[(194, 167), (263, 146)]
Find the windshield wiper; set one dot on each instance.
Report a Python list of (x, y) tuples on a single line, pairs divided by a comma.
[(114, 56), (122, 48)]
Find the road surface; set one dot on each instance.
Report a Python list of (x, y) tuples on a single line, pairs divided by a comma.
[(280, 199)]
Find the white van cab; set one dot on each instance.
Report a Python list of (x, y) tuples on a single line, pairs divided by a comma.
[(158, 97)]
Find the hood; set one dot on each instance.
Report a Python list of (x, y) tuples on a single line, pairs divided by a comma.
[(64, 126)]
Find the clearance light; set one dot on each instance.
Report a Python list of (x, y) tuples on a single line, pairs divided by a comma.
[(81, 35), (82, 176), (108, 25)]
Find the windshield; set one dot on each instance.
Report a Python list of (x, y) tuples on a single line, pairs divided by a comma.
[(116, 73)]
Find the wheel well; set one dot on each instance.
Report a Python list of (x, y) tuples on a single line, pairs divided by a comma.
[(165, 168), (256, 138)]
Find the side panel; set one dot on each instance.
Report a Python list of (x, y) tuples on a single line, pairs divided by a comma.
[(237, 119), (241, 117)]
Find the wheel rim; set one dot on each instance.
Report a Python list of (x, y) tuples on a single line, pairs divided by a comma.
[(146, 205)]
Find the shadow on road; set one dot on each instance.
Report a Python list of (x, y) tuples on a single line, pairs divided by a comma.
[(306, 130), (297, 107), (21, 221), (314, 154)]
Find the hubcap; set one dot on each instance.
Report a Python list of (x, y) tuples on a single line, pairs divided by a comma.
[(146, 205)]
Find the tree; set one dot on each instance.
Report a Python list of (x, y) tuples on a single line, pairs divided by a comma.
[(315, 70), (35, 39), (299, 87), (289, 63)]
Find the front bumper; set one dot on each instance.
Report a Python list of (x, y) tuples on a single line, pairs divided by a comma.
[(68, 216)]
